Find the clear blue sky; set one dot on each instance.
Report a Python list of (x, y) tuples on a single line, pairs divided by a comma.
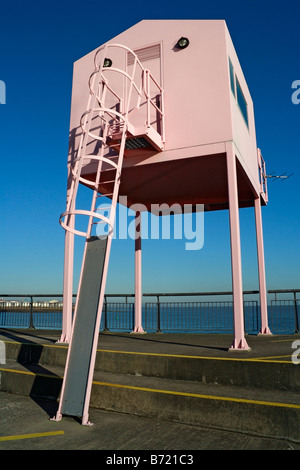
[(39, 41)]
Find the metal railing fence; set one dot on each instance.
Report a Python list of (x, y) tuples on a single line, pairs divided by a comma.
[(159, 315)]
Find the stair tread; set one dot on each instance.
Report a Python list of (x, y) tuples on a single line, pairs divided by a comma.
[(152, 384)]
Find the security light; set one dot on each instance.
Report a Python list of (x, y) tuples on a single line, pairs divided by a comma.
[(107, 62), (183, 43)]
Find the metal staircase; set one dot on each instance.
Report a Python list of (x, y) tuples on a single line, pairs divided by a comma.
[(125, 112)]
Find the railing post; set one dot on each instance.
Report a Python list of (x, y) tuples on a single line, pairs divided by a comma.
[(31, 324), (296, 314), (132, 316), (105, 314), (158, 330)]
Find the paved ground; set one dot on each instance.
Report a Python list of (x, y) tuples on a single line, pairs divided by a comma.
[(112, 431), (119, 432), (274, 347)]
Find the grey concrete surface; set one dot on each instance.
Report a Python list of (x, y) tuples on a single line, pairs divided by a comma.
[(199, 364), (22, 415)]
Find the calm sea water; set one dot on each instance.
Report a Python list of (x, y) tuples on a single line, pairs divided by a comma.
[(173, 318)]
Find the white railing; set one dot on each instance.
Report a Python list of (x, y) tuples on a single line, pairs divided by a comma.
[(262, 175)]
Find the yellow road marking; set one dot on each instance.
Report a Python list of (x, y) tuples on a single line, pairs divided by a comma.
[(37, 344), (31, 436), (196, 395), (27, 372), (266, 358), (253, 359), (281, 340), (172, 392)]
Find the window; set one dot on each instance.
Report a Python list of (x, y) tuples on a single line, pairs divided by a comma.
[(238, 94), (242, 102), (231, 72)]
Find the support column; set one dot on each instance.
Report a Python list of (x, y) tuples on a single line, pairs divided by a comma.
[(67, 314), (239, 342), (67, 288), (261, 269), (138, 275)]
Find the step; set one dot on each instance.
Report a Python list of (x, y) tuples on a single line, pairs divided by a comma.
[(193, 380), (237, 371), (265, 413)]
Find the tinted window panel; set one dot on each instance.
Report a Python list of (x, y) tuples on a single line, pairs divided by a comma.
[(242, 102), (231, 72)]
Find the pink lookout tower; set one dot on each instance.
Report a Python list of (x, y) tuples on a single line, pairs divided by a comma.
[(160, 114)]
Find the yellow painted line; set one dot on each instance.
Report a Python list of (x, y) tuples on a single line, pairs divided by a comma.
[(281, 340), (268, 359), (171, 392), (196, 395), (31, 436), (252, 359), (166, 355), (37, 344), (138, 353), (27, 372), (173, 355)]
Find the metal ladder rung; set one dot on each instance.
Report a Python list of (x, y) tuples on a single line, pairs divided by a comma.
[(106, 182), (115, 145), (104, 195), (101, 222), (95, 136)]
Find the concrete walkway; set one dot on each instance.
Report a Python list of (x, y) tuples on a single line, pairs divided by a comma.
[(209, 345), (173, 362), (26, 422)]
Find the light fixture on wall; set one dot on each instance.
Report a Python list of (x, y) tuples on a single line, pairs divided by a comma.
[(107, 62), (183, 43)]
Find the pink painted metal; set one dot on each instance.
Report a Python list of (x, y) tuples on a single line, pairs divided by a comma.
[(262, 177), (138, 328), (202, 114), (178, 127), (110, 131), (239, 342), (67, 288), (264, 330)]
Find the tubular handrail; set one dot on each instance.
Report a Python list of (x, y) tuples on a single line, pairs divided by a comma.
[(146, 88), (112, 123), (161, 294), (262, 174), (158, 315)]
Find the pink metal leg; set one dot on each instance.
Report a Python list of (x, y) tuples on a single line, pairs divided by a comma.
[(138, 275), (68, 272), (261, 269), (239, 342), (67, 288)]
